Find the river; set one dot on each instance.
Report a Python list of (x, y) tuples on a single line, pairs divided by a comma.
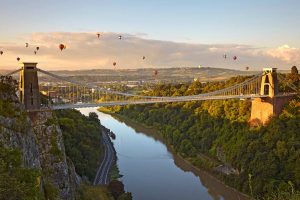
[(152, 172)]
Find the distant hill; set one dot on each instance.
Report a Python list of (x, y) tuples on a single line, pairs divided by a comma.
[(148, 74), (203, 74)]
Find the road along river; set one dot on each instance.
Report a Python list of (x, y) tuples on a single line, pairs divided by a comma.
[(152, 172)]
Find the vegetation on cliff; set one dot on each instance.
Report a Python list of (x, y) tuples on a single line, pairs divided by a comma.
[(16, 181), (267, 158), (82, 139), (114, 191)]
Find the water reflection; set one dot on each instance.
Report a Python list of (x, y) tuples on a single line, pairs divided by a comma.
[(151, 170)]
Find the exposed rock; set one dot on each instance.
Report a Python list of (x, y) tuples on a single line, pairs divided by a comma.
[(75, 179), (56, 170), (39, 138), (25, 141)]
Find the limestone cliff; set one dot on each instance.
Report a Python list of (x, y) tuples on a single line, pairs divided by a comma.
[(40, 141), (16, 130), (55, 169)]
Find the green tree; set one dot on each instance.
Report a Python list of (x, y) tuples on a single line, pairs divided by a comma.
[(125, 196), (82, 139), (116, 188), (294, 76), (16, 181), (270, 153)]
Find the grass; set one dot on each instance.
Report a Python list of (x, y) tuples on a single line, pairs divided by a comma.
[(87, 192)]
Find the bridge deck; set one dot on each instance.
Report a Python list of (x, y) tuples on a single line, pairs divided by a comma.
[(249, 89), (122, 103)]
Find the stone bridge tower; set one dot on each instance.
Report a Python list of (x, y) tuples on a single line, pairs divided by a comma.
[(29, 87), (272, 104), (269, 82)]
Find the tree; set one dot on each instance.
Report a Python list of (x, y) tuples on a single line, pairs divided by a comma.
[(17, 182), (116, 188), (271, 153), (82, 139), (294, 70), (94, 117), (294, 77), (126, 196)]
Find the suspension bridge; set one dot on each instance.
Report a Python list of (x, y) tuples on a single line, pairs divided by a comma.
[(66, 93)]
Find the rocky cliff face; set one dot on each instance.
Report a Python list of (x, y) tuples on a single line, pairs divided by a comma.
[(57, 172), (39, 138), (19, 135)]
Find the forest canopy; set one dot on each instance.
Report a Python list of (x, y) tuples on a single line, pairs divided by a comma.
[(219, 129), (82, 139)]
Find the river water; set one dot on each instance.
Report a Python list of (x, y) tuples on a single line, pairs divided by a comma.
[(152, 172)]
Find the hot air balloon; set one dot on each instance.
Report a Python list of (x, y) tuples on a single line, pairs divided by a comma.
[(62, 47), (37, 48), (18, 59), (120, 37), (1, 52), (144, 57), (114, 63), (224, 56), (26, 44), (234, 57), (98, 34), (247, 68), (35, 52)]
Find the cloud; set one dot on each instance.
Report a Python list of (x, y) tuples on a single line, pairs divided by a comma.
[(85, 50), (285, 53)]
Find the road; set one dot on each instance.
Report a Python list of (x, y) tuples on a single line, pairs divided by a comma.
[(152, 101), (102, 176)]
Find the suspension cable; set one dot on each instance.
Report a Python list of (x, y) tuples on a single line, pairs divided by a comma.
[(13, 72), (97, 88), (284, 80)]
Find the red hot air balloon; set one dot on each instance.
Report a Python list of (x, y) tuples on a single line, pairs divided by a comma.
[(1, 52), (35, 52), (37, 48), (114, 63), (18, 59), (62, 47), (234, 57)]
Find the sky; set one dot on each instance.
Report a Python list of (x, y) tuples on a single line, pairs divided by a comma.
[(170, 33)]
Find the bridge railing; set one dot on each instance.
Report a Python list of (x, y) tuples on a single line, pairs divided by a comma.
[(250, 86), (67, 91)]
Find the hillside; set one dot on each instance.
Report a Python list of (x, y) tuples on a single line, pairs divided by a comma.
[(42, 152), (147, 74), (262, 161), (37, 142)]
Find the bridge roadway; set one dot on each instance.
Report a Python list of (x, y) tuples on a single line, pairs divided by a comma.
[(249, 89), (151, 101)]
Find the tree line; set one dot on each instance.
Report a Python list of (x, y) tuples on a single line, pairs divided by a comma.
[(266, 158)]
